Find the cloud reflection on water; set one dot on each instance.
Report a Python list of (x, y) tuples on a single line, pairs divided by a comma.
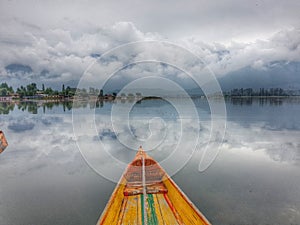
[(255, 178)]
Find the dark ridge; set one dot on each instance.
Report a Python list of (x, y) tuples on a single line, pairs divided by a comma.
[(15, 68), (149, 98)]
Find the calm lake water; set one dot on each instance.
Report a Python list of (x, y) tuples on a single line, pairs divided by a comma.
[(255, 178)]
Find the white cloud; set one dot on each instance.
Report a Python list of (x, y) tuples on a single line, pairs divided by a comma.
[(66, 55)]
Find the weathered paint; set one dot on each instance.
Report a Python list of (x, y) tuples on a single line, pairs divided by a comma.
[(152, 217), (164, 202)]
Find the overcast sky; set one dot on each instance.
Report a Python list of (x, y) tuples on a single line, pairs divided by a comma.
[(57, 38)]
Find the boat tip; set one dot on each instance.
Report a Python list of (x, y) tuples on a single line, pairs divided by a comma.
[(141, 150)]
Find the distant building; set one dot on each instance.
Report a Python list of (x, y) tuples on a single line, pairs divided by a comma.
[(5, 98), (15, 96)]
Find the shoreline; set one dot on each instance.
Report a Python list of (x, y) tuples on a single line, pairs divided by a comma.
[(148, 98)]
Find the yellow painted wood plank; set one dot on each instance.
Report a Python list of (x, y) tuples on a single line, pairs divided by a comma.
[(158, 211), (112, 210), (139, 210), (167, 213), (131, 211), (187, 211), (123, 210)]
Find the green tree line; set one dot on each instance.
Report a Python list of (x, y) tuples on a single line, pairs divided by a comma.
[(32, 90)]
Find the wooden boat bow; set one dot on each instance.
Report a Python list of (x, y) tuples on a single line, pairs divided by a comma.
[(147, 195)]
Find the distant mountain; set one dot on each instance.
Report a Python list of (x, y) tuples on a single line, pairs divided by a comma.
[(95, 55), (194, 92), (17, 68), (147, 92), (58, 86), (281, 74)]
